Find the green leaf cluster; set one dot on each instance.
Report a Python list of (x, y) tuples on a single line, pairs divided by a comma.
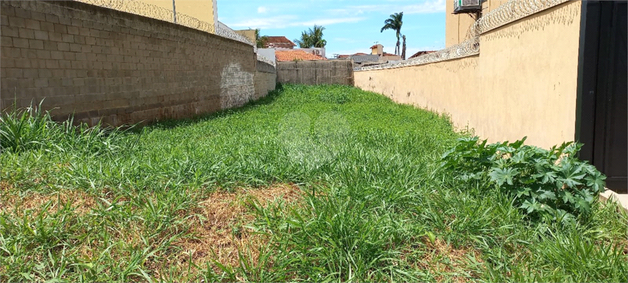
[(312, 38), (545, 184)]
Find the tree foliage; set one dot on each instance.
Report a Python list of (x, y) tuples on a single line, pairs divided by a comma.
[(260, 40), (395, 22), (312, 38)]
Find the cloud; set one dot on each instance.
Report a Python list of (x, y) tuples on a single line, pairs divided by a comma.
[(330, 21), (279, 22), (427, 7), (345, 40), (262, 10), (265, 22)]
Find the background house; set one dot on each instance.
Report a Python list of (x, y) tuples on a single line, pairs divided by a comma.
[(365, 59), (248, 33), (315, 51), (278, 42), (360, 59), (377, 49), (283, 50), (377, 56), (384, 57), (204, 11)]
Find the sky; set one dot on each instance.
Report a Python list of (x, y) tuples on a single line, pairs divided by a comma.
[(351, 26)]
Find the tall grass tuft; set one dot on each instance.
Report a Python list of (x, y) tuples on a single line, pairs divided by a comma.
[(33, 128), (24, 129)]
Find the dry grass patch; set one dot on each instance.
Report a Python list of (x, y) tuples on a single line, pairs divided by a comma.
[(622, 245), (35, 202), (219, 226), (442, 258), (4, 186)]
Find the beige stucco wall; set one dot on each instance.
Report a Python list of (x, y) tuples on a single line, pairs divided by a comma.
[(248, 33), (491, 5), (523, 83), (445, 87), (530, 70), (203, 10), (200, 9), (456, 26)]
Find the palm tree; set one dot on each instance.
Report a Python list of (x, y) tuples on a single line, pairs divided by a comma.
[(312, 38), (394, 22), (305, 41), (260, 41), (403, 52), (317, 37)]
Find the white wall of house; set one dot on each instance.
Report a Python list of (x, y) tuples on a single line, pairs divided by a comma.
[(267, 52), (315, 51)]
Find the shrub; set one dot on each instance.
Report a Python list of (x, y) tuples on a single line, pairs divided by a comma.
[(546, 184)]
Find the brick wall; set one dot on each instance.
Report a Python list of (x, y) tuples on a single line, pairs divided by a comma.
[(100, 63), (316, 72)]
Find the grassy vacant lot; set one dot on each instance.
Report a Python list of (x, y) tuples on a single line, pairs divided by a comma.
[(321, 183)]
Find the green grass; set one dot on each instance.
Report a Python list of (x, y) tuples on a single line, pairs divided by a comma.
[(107, 204)]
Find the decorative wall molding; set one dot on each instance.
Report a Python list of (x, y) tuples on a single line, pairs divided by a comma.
[(465, 49)]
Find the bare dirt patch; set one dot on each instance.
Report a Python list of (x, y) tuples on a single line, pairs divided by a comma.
[(219, 227)]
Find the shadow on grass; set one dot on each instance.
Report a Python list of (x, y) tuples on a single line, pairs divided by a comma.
[(174, 123)]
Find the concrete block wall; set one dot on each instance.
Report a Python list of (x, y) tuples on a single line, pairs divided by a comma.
[(98, 63), (265, 79), (316, 72)]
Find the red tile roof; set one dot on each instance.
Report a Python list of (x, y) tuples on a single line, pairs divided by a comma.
[(278, 42), (296, 55)]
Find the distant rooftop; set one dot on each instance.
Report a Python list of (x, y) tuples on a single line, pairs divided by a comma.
[(278, 42), (421, 53), (364, 58), (296, 55), (343, 56)]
